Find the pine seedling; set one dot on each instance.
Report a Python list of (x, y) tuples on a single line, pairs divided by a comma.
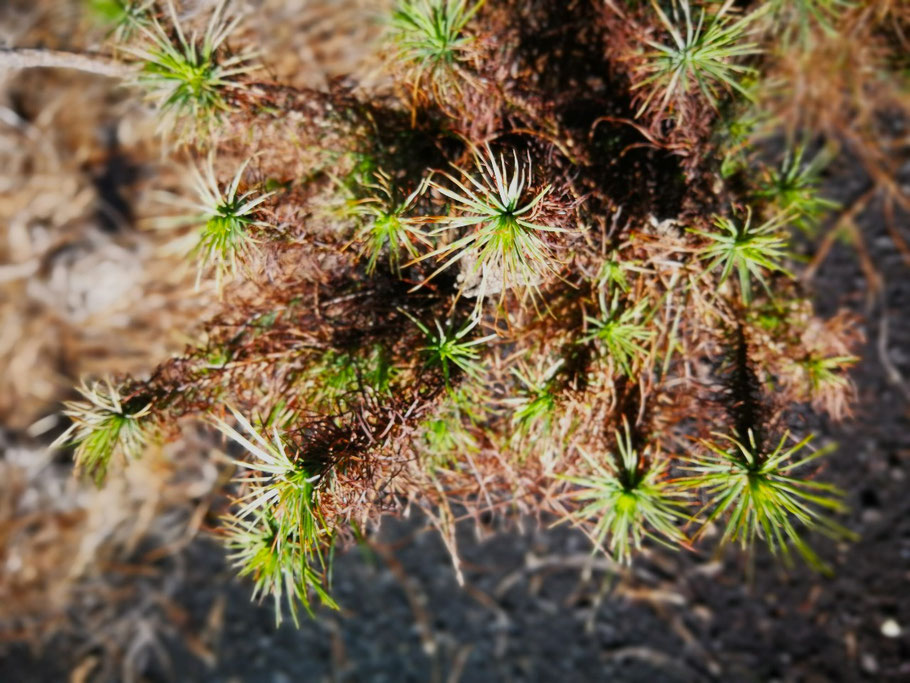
[(102, 425), (504, 246), (749, 250), (793, 189), (123, 16), (446, 350), (277, 533), (429, 38), (613, 274), (189, 78), (823, 380), (759, 496), (229, 217), (279, 567), (798, 20), (702, 57), (535, 406), (619, 331), (822, 372), (385, 226), (364, 415), (628, 498), (284, 481)]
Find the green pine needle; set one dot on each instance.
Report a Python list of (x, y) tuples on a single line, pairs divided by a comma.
[(758, 496), (123, 17), (386, 227), (446, 435), (825, 371), (627, 499), (535, 406), (278, 534), (102, 426), (278, 567), (188, 78), (228, 216), (429, 37), (793, 189), (702, 57), (504, 244), (749, 250), (613, 273), (620, 332), (446, 350)]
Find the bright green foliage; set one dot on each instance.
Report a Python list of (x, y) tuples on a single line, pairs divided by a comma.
[(757, 495), (750, 251), (823, 372), (229, 216), (619, 331), (101, 426), (446, 350), (429, 37), (793, 189), (628, 498), (613, 274), (124, 16), (257, 550), (336, 377), (385, 225), (277, 535), (701, 57), (188, 78), (503, 242), (535, 406)]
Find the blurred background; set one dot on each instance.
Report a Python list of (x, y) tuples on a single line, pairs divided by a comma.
[(125, 584)]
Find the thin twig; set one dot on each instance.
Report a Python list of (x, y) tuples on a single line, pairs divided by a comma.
[(29, 58), (848, 214), (893, 374)]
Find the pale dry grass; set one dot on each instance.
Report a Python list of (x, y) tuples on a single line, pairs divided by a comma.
[(85, 289), (92, 284), (61, 542), (310, 44)]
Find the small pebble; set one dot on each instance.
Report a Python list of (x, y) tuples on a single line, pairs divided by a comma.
[(891, 629), (869, 664), (870, 516)]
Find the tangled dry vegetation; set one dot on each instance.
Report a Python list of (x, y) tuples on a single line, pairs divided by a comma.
[(539, 263)]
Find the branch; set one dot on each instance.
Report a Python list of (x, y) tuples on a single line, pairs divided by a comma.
[(27, 58)]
